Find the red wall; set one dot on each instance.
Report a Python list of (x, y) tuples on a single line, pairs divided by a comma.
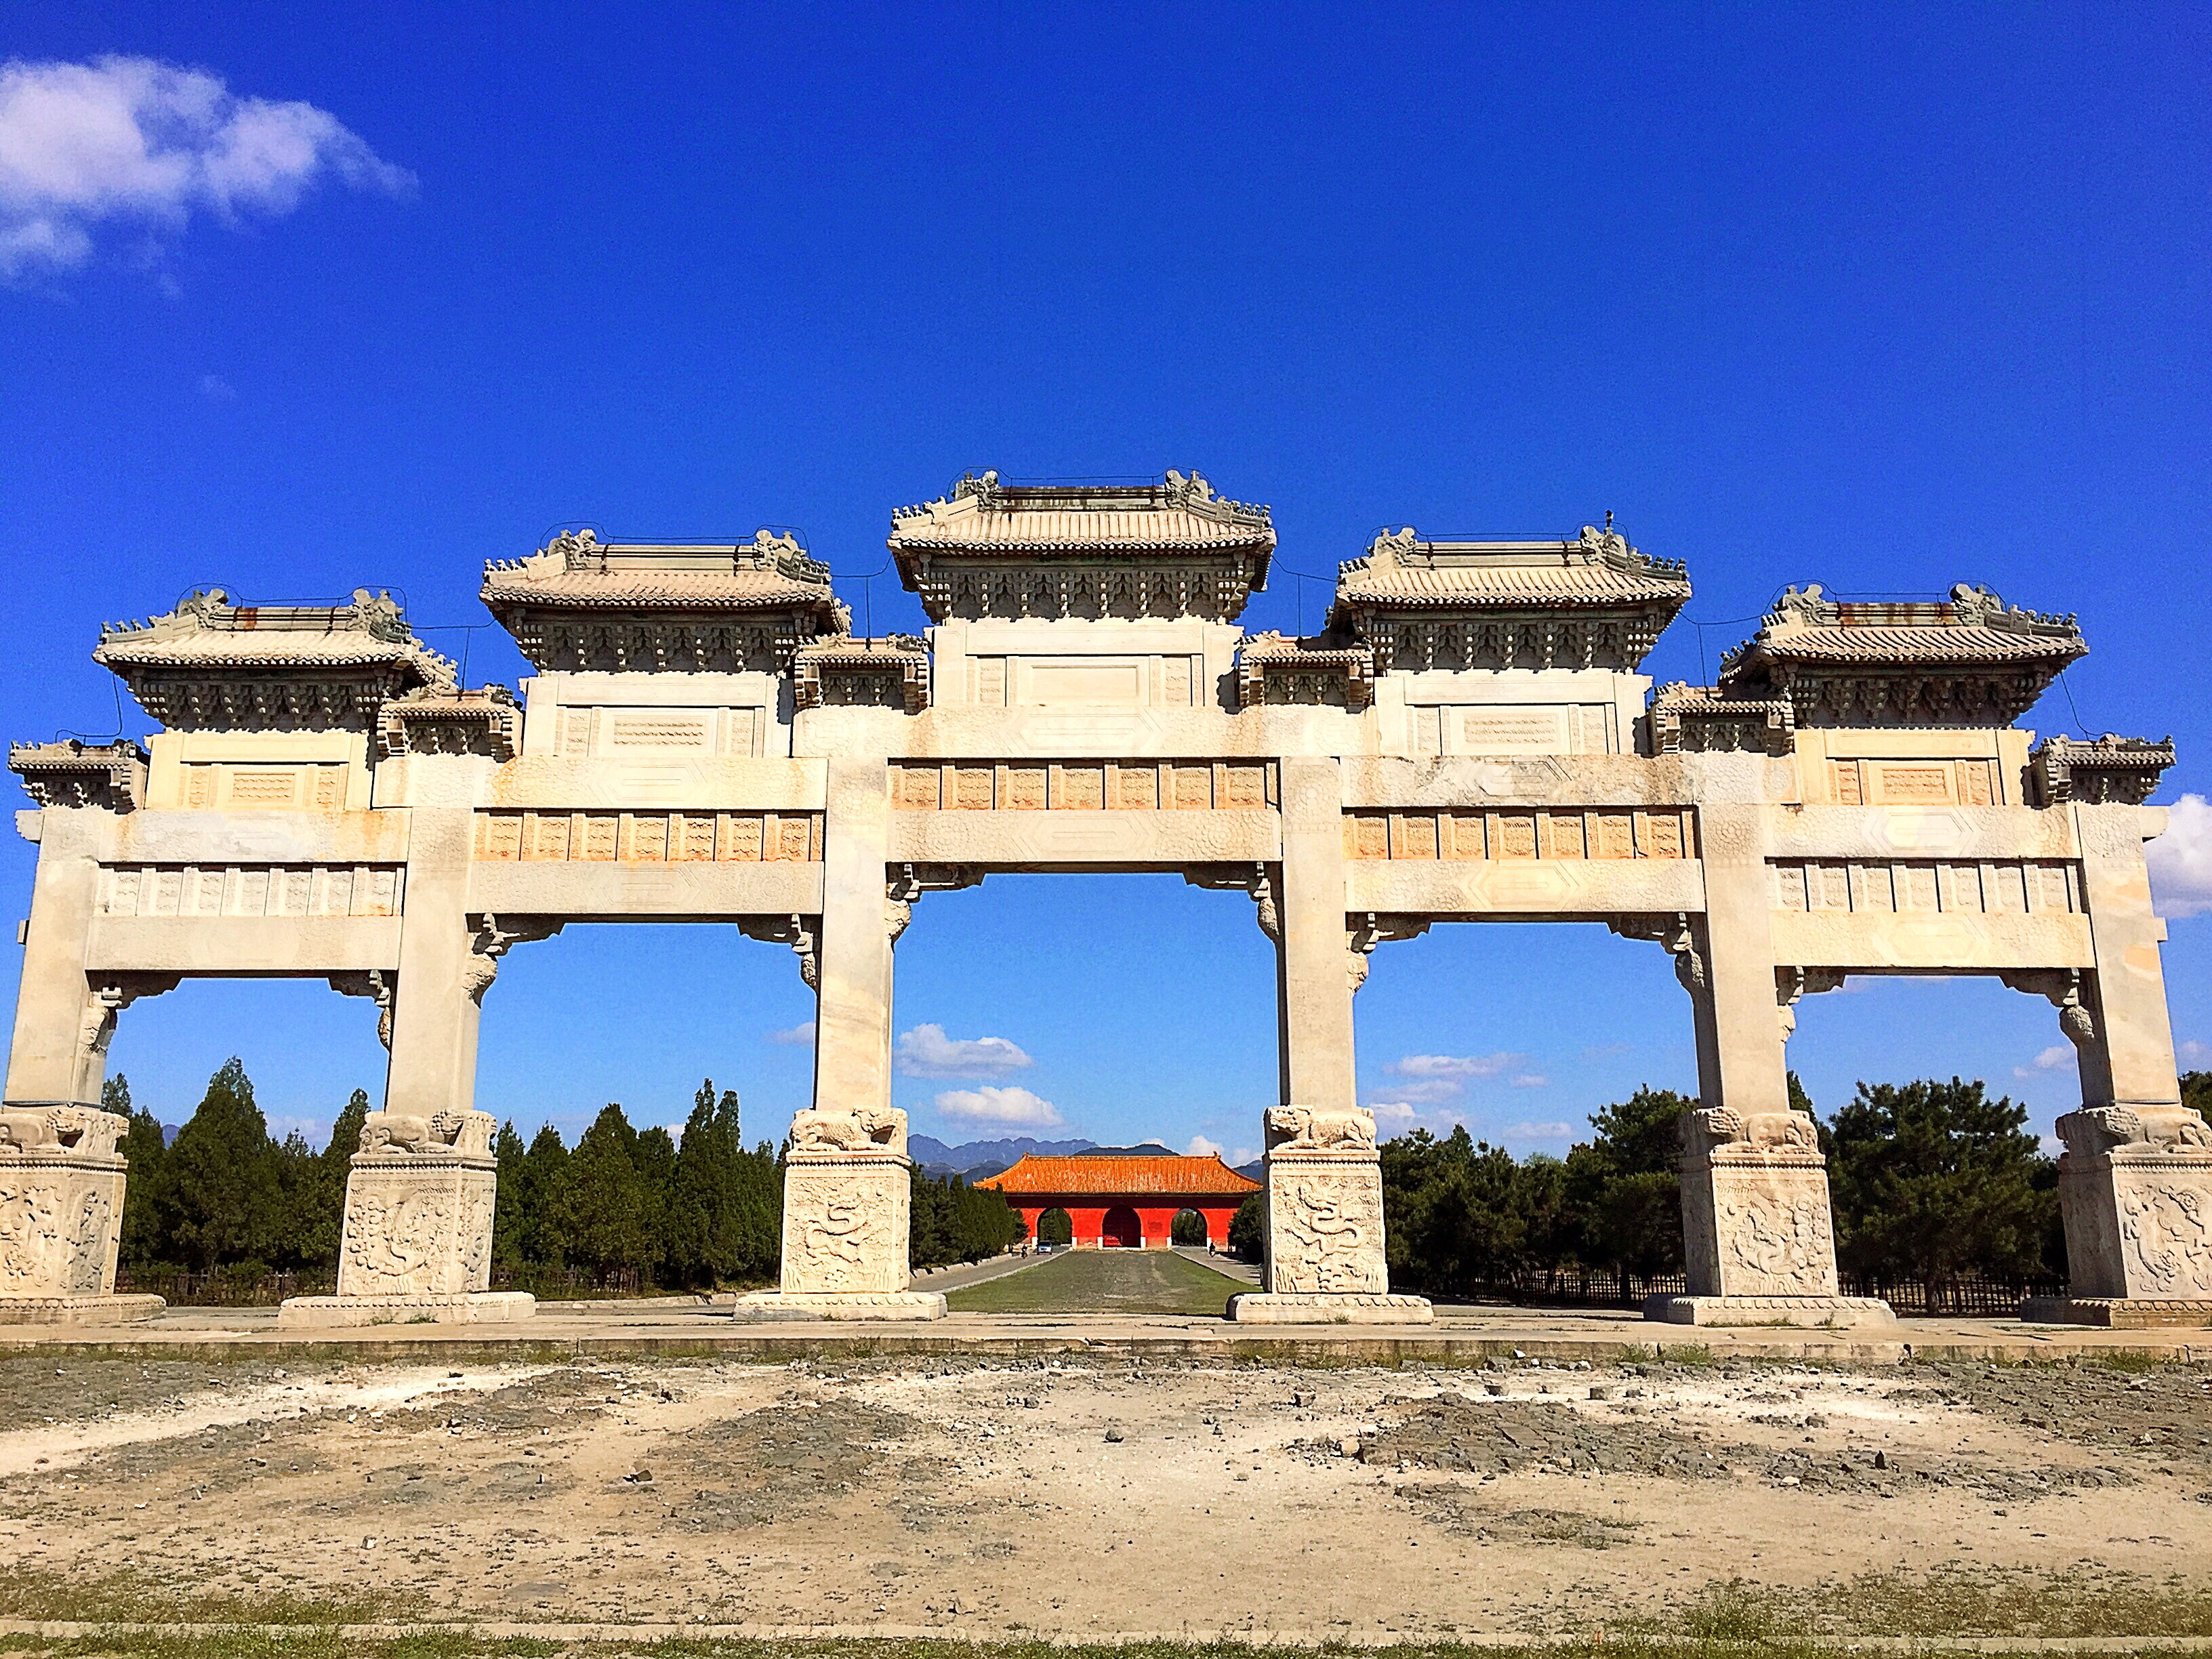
[(1156, 1219)]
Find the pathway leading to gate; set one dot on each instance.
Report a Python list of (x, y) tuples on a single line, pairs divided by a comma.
[(1105, 1282)]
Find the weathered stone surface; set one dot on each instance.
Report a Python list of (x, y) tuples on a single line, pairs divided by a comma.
[(484, 1307), (1822, 1312), (61, 1204), (2134, 1187), (770, 1306), (1329, 1308), (78, 1310)]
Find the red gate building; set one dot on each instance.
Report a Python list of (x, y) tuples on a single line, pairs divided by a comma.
[(1125, 1201)]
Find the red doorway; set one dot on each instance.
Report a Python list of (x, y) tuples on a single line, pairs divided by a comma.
[(1121, 1229)]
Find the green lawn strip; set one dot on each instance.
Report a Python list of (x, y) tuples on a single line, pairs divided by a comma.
[(1104, 1281)]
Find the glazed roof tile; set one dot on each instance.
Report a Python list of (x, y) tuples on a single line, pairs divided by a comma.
[(1123, 1175), (983, 517), (1598, 570)]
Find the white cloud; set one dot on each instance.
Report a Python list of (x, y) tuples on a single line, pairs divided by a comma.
[(1539, 1132), (1530, 1080), (2181, 861), (803, 1032), (926, 1051), (1201, 1147), (1426, 1091), (1393, 1111), (2193, 1054), (989, 1105), (147, 144), (1453, 1066), (2057, 1058)]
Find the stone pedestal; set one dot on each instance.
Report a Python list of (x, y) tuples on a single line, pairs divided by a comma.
[(60, 1217), (1757, 1236), (847, 1204), (1325, 1257), (2135, 1187), (418, 1218)]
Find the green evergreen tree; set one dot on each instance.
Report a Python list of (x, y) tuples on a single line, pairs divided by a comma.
[(321, 1192), (726, 1204), (222, 1187), (1935, 1181), (1625, 1185), (601, 1208), (653, 1155), (299, 1199), (145, 1244), (1248, 1229), (508, 1227), (538, 1241)]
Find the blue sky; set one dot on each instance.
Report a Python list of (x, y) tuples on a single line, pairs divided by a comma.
[(1885, 298)]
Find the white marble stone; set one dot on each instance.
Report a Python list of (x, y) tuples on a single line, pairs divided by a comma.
[(61, 1215)]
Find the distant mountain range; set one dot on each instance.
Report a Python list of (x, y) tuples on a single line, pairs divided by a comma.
[(975, 1160)]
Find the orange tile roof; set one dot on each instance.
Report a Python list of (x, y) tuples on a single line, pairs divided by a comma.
[(1164, 1174)]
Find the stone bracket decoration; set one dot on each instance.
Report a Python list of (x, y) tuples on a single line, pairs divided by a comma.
[(904, 883), (1257, 879), (105, 997), (2061, 988), (1675, 932), (848, 1200), (1326, 1262), (801, 933), (495, 936), (448, 720), (1689, 720), (2111, 770), (1365, 930), (1792, 984), (382, 985)]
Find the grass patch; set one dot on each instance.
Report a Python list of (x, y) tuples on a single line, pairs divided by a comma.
[(134, 1596), (1104, 1281), (1951, 1602)]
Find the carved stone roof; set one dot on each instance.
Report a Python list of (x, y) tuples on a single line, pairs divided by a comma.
[(211, 663), (1595, 602), (1971, 660), (1274, 668), (1197, 554), (845, 671), (1121, 1175), (448, 720), (1701, 720), (2107, 771), (73, 773), (581, 603)]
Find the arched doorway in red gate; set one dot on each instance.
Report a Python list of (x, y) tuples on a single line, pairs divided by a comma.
[(1189, 1226), (1054, 1226), (1121, 1229)]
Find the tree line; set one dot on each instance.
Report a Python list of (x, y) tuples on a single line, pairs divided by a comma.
[(625, 1206)]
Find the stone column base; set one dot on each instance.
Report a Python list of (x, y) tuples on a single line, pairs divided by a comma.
[(1807, 1312), (767, 1306), (2118, 1313), (78, 1310), (402, 1308), (1328, 1308)]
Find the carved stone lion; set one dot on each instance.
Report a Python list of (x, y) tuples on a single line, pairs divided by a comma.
[(1307, 1128), (1763, 1132), (393, 1131), (2096, 1129), (59, 1130), (853, 1129)]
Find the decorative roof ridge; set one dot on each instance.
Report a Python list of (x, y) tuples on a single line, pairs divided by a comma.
[(1969, 606), (2109, 770), (861, 645), (71, 772), (581, 552), (1190, 492), (209, 610), (1407, 549)]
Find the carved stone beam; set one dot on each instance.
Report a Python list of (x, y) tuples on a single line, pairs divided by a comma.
[(105, 997), (1363, 930), (376, 983), (2062, 989), (1791, 983), (492, 938), (1253, 878), (800, 932)]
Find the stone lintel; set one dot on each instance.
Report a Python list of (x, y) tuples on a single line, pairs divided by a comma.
[(1328, 1308), (476, 1308)]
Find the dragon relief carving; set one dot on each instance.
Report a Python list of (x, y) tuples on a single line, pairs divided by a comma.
[(846, 1231), (401, 1241), (1327, 1236), (1777, 1241), (2166, 1233)]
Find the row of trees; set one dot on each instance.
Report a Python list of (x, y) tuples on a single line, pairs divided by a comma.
[(623, 1206), (1930, 1182)]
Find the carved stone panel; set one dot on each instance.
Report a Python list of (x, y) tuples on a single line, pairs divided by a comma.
[(1325, 1224), (2134, 1187), (845, 1222), (418, 1215), (1755, 1216), (61, 1202)]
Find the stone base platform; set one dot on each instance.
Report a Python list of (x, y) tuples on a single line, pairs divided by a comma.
[(2118, 1313), (769, 1306), (479, 1308), (78, 1310), (1328, 1308), (1799, 1312)]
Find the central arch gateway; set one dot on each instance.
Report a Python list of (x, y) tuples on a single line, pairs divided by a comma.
[(1125, 1198), (1468, 738)]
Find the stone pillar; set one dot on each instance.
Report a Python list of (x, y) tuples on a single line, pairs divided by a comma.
[(1326, 1263), (418, 1220), (419, 1192), (2134, 1180), (846, 1197), (1757, 1237), (58, 1055), (847, 1208), (61, 1217)]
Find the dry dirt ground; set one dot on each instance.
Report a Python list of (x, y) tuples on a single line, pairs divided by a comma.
[(1082, 1495)]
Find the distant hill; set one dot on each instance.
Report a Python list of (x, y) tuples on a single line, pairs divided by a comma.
[(975, 1159), (1149, 1149)]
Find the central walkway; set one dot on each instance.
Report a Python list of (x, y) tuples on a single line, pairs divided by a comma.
[(1105, 1282)]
